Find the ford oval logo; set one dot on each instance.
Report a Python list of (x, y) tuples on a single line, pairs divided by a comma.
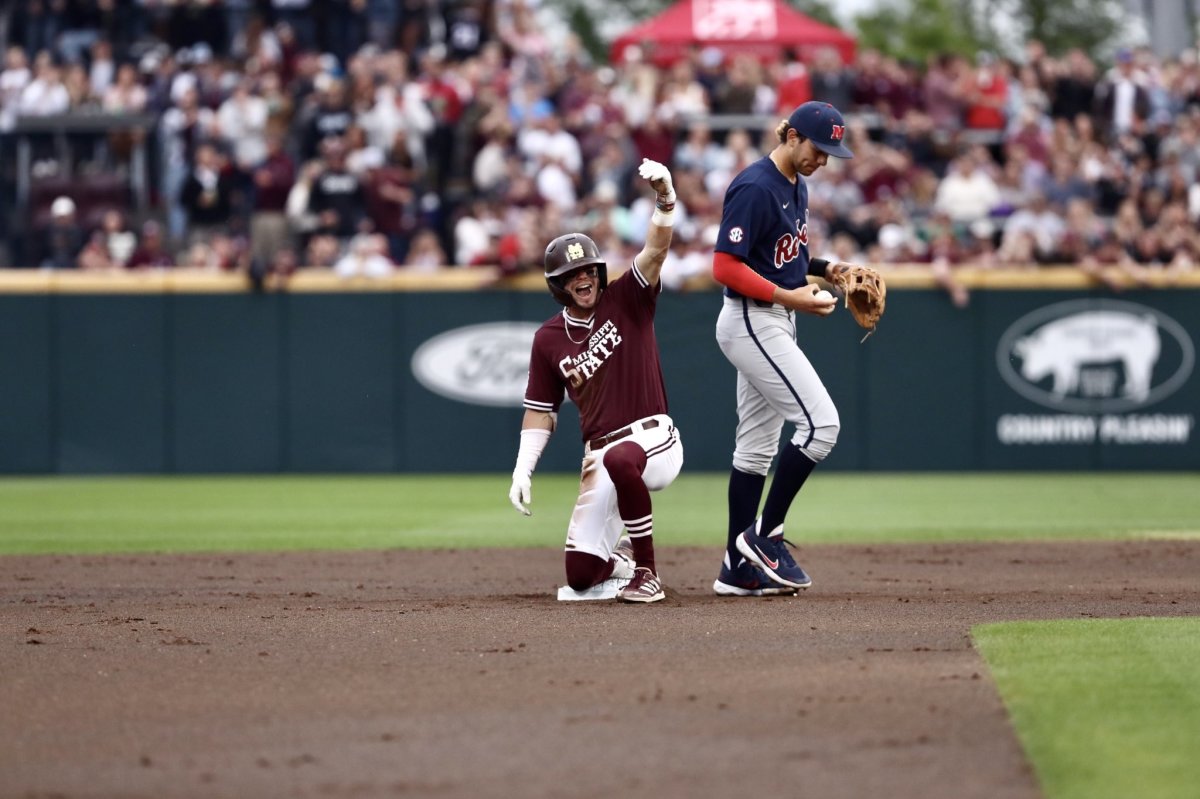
[(1095, 356), (479, 364)]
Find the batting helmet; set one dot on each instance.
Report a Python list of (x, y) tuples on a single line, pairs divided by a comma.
[(823, 125), (566, 254)]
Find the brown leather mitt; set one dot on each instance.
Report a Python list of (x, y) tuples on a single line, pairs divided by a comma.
[(865, 293)]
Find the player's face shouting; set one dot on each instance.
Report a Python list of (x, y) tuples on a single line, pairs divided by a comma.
[(584, 288), (808, 159)]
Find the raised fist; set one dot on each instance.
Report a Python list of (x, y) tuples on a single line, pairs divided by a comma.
[(658, 176)]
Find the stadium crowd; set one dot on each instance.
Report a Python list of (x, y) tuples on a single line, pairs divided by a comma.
[(366, 136)]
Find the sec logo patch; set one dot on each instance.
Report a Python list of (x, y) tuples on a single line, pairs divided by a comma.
[(735, 234)]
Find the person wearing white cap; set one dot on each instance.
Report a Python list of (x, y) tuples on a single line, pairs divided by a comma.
[(62, 239)]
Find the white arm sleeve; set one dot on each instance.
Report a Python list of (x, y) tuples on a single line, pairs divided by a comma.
[(533, 441)]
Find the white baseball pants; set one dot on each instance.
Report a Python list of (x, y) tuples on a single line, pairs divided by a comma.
[(775, 383), (596, 524)]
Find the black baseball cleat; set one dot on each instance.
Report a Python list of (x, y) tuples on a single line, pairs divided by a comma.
[(772, 556)]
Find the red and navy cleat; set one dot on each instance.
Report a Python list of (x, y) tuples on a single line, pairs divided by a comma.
[(772, 556), (747, 580)]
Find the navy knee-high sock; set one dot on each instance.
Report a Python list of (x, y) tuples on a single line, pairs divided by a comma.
[(745, 492), (793, 469)]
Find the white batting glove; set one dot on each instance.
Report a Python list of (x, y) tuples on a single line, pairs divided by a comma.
[(521, 494), (658, 176)]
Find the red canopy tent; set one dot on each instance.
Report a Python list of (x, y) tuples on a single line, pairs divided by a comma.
[(760, 27)]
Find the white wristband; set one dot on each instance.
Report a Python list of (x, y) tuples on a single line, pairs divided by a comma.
[(533, 441), (664, 209)]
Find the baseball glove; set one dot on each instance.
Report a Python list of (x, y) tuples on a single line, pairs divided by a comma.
[(865, 293)]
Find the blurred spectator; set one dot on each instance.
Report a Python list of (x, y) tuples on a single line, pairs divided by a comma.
[(1072, 85), (207, 195), (13, 80), (426, 253), (554, 159), (738, 92), (125, 95), (298, 16), (366, 257), (151, 252), (79, 90), (362, 157), (941, 93), (94, 255), (832, 82), (984, 91), (273, 178), (102, 68), (399, 110), (793, 84), (322, 251), (330, 118), (119, 240), (490, 169), (699, 152), (1038, 221), (337, 197), (1064, 182), (46, 94), (63, 238), (393, 203), (968, 191), (241, 123), (1124, 103), (183, 127)]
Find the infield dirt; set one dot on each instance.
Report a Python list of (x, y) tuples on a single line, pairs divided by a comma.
[(458, 674)]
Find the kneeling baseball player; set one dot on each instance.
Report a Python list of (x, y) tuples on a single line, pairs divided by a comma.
[(601, 351)]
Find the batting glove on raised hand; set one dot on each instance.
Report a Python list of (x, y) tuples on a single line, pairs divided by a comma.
[(521, 494), (658, 176)]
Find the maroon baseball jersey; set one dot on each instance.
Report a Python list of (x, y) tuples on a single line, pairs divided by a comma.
[(607, 365)]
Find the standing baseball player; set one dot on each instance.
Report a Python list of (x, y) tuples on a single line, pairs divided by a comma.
[(762, 260), (601, 351)]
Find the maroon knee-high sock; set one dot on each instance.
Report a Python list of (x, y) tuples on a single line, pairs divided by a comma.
[(625, 463)]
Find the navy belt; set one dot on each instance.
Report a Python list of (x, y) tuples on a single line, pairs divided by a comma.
[(738, 296)]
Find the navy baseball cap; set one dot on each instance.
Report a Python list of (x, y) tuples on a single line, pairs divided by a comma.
[(823, 125)]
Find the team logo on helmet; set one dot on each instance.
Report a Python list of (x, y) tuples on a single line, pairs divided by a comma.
[(837, 133), (574, 251)]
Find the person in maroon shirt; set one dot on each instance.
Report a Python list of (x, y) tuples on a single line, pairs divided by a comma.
[(600, 351)]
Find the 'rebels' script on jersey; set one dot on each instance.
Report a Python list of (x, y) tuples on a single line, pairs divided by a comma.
[(787, 246), (608, 366)]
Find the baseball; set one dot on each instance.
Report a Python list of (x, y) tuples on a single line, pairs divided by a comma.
[(823, 295)]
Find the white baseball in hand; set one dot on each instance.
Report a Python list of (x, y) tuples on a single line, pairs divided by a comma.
[(823, 295)]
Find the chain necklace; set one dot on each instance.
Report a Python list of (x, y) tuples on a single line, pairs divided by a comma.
[(567, 329)]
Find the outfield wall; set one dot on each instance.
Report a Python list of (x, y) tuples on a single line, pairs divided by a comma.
[(163, 377)]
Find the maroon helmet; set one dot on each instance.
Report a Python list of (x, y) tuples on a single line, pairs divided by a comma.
[(566, 254)]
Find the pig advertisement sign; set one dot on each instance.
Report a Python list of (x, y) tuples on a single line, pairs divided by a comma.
[(1100, 372)]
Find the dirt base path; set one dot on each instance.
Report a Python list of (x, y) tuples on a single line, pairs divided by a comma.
[(457, 674)]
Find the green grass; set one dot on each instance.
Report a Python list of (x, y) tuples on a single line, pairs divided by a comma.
[(1103, 708), (130, 514)]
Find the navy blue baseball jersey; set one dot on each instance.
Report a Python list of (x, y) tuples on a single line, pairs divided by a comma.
[(765, 223)]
